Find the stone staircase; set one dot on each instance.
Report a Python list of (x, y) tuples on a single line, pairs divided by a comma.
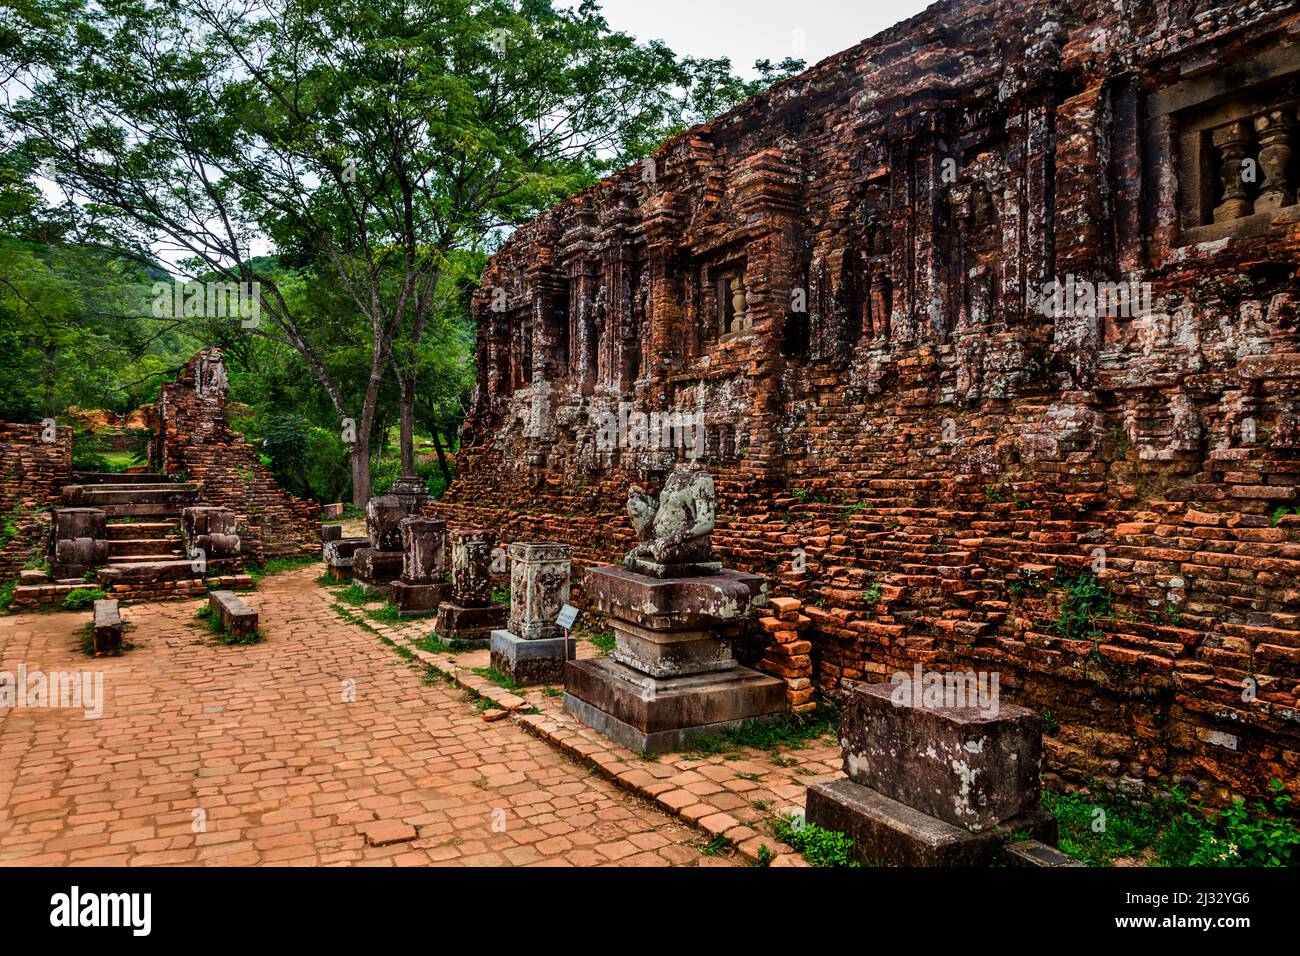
[(146, 556)]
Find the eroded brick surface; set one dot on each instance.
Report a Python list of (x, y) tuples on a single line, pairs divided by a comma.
[(839, 288), (285, 772)]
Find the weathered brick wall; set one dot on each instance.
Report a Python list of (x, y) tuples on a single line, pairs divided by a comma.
[(192, 437), (902, 435), (32, 475)]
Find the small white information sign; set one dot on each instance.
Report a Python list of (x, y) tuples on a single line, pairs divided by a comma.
[(568, 614)]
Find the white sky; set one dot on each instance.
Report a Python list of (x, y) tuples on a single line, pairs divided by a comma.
[(749, 30)]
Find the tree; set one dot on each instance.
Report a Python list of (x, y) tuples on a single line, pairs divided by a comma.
[(367, 138)]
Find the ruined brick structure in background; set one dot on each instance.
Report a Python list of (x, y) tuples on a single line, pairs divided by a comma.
[(33, 472), (845, 278), (192, 438)]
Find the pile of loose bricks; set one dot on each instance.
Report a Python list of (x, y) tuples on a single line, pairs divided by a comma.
[(789, 657)]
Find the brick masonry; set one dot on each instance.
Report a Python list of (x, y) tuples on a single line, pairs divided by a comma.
[(32, 475), (844, 280), (192, 438)]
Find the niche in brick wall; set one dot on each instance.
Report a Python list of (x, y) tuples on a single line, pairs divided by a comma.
[(1234, 142)]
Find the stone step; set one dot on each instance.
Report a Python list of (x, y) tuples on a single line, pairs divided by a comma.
[(33, 595), (147, 558), (141, 572), (135, 530), (163, 549), (148, 510), (177, 494), (116, 478)]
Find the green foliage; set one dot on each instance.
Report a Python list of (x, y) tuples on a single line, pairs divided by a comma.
[(719, 845), (765, 855), (1050, 724), (79, 599), (787, 730), (496, 677), (353, 594), (603, 640), (1173, 831), (819, 846), (280, 565), (7, 595), (1283, 510), (1084, 602)]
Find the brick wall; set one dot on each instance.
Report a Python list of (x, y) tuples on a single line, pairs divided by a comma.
[(192, 437), (902, 436), (32, 475)]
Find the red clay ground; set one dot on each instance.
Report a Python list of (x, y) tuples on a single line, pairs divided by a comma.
[(260, 740)]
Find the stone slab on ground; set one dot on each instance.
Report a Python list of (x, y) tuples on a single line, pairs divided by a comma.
[(413, 600), (456, 623), (233, 612), (886, 832), (539, 661), (968, 768)]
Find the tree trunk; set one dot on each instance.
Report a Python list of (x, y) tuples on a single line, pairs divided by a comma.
[(442, 457), (360, 456), (406, 422)]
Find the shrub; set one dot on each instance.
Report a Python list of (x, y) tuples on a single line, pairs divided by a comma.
[(1085, 601), (79, 599), (819, 846)]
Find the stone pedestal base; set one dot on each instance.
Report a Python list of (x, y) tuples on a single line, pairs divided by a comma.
[(888, 833), (531, 662), (662, 714), (672, 653), (415, 599), (376, 570), (456, 623), (340, 555)]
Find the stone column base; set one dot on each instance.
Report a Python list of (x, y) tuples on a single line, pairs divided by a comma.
[(527, 662), (457, 623), (415, 599), (888, 833), (375, 570), (662, 714)]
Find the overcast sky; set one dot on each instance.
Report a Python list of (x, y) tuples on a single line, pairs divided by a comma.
[(749, 30)]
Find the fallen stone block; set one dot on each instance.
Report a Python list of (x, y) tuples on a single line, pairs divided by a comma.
[(233, 612), (107, 628)]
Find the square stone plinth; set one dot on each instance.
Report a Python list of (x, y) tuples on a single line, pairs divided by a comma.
[(672, 653), (456, 623), (376, 570), (668, 603), (658, 715), (526, 662), (967, 768), (888, 833), (415, 599)]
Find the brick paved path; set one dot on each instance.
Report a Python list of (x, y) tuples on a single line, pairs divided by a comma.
[(259, 739)]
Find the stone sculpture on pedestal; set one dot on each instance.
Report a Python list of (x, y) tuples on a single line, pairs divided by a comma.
[(676, 614), (422, 586), (534, 649), (470, 615)]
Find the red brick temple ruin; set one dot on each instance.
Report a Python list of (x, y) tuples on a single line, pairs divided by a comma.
[(134, 534), (998, 300)]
